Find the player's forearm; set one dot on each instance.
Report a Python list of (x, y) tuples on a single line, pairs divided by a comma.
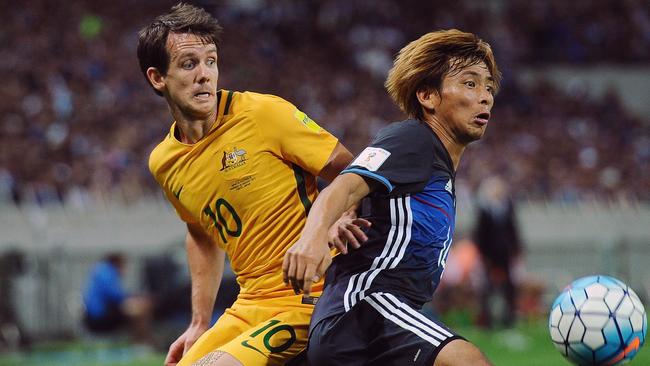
[(344, 193), (206, 262)]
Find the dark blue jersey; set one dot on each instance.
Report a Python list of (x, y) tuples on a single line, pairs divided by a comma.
[(412, 210)]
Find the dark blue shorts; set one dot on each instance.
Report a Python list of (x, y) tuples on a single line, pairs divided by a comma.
[(380, 330)]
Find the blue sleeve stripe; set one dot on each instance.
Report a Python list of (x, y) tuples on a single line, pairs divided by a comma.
[(368, 174)]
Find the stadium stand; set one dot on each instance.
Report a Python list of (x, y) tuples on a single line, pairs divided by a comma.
[(78, 123)]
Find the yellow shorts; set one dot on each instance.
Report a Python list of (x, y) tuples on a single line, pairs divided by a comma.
[(257, 332)]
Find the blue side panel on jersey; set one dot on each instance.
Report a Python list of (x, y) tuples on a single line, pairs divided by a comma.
[(433, 214), (372, 175)]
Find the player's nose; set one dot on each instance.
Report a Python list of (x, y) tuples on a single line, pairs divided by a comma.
[(486, 98), (202, 73)]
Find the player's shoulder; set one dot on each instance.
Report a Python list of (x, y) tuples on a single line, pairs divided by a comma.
[(160, 153), (253, 102), (409, 131)]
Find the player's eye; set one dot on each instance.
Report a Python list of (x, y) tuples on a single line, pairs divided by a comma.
[(490, 89), (470, 83), (187, 65), (211, 62)]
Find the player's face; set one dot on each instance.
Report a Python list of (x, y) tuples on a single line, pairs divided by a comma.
[(466, 99), (191, 79)]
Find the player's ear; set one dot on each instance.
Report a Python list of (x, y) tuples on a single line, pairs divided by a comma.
[(429, 99), (156, 79)]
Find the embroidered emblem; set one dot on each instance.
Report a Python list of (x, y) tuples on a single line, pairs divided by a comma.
[(233, 158)]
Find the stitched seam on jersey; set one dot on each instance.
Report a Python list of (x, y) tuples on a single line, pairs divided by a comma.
[(402, 319), (301, 186), (401, 220)]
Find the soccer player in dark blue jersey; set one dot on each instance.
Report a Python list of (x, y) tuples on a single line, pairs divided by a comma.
[(403, 183)]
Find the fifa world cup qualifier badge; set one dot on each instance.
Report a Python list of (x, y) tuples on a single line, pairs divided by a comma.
[(371, 158)]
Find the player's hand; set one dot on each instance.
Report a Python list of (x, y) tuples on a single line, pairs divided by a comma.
[(183, 344), (305, 263), (347, 231)]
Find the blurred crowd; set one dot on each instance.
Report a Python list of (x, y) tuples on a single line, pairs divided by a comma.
[(77, 119)]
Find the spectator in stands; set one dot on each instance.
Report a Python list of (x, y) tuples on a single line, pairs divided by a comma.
[(79, 128), (108, 307)]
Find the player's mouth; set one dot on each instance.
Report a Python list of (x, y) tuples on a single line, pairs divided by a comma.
[(482, 118), (202, 95)]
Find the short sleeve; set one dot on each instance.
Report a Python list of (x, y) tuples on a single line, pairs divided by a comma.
[(399, 158), (294, 136), (181, 211), (155, 167)]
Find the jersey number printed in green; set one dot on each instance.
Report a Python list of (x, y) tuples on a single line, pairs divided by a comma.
[(220, 221), (267, 337)]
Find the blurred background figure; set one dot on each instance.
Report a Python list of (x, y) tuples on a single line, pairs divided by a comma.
[(12, 335), (108, 307), (497, 238)]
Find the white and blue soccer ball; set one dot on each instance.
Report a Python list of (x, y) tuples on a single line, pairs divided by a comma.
[(598, 320)]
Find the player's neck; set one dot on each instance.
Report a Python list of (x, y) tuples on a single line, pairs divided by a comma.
[(454, 148), (191, 130)]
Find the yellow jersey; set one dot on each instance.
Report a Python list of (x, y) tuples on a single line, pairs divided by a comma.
[(249, 182)]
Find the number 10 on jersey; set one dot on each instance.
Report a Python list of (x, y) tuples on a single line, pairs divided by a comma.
[(217, 215)]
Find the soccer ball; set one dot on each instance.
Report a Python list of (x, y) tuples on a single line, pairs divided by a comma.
[(598, 320)]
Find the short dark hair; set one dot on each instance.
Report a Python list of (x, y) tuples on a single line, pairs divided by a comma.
[(116, 259), (183, 18), (425, 62)]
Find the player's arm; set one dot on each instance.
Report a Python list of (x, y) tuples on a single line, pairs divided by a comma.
[(348, 228), (206, 263), (308, 259), (338, 160)]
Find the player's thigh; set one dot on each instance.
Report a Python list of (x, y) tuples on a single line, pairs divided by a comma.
[(273, 341), (227, 328), (377, 331), (459, 352), (217, 358)]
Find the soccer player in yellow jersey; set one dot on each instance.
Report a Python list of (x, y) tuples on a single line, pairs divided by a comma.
[(239, 168)]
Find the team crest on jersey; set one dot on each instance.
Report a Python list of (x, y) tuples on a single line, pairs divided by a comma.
[(233, 158)]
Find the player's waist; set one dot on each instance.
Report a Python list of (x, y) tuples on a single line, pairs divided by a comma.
[(416, 287), (270, 286)]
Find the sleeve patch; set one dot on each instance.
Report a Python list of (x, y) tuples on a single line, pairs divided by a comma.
[(308, 122), (371, 158)]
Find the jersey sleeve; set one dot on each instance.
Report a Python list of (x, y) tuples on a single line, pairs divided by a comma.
[(155, 162), (399, 159), (292, 135), (181, 211)]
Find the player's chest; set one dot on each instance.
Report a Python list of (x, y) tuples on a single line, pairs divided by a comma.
[(221, 168)]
